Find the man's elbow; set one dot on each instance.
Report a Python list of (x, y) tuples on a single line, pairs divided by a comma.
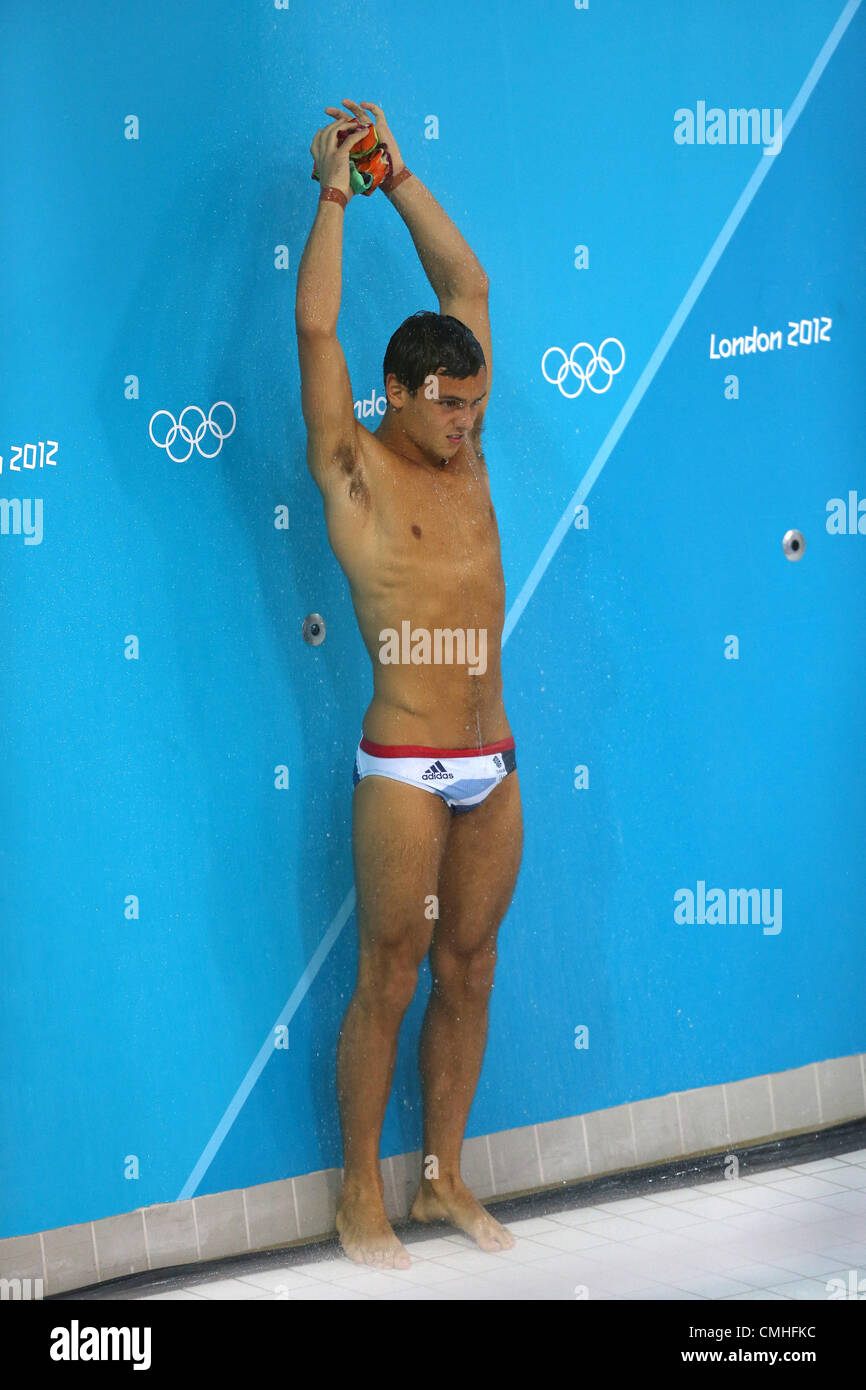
[(313, 314), (306, 327), (477, 287)]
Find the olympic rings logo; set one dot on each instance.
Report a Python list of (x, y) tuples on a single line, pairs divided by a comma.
[(177, 427), (583, 373)]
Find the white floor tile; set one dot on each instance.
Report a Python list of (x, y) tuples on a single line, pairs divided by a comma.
[(853, 1255), (525, 1251), (810, 1264), (568, 1265), (767, 1223), (711, 1285), (672, 1195), (849, 1274), (580, 1216), (617, 1228), (437, 1245), (772, 1175), (469, 1288), (531, 1282), (472, 1261), (719, 1260), (721, 1239), (426, 1273), (419, 1293), (807, 1187), (572, 1238), (675, 1244), (460, 1238), (763, 1196), (177, 1296), (270, 1280), (669, 1218), (849, 1175), (234, 1289), (753, 1251), (368, 1281), (806, 1211), (715, 1207), (625, 1206), (760, 1276), (663, 1293), (853, 1201), (531, 1226), (718, 1187), (329, 1271), (819, 1240), (802, 1289), (757, 1296), (834, 1235), (328, 1293), (617, 1281), (579, 1273), (624, 1254), (819, 1165)]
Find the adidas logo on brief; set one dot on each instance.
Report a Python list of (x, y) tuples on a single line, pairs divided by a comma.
[(437, 772)]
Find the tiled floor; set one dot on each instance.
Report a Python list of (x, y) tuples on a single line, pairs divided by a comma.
[(778, 1234)]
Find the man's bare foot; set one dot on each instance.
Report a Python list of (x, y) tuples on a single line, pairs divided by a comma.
[(441, 1199), (366, 1234)]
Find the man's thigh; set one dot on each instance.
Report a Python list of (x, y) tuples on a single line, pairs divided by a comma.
[(399, 834), (479, 870)]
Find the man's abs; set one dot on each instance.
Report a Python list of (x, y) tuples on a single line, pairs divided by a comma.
[(423, 562), (442, 713), (434, 636)]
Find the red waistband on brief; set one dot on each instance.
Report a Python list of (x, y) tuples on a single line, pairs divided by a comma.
[(416, 750)]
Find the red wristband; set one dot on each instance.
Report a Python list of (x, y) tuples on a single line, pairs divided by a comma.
[(333, 195), (391, 182)]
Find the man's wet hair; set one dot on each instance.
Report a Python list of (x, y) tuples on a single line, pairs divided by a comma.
[(426, 342)]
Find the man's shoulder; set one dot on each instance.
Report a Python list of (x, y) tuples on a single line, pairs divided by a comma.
[(362, 460), (366, 440), (374, 457)]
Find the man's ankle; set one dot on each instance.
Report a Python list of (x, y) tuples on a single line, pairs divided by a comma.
[(446, 1178), (365, 1185)]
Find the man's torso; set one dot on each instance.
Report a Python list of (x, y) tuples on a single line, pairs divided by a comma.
[(420, 546)]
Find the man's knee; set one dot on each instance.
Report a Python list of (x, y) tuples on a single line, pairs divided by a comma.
[(387, 979), (466, 976)]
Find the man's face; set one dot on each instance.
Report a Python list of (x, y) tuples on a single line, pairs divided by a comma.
[(443, 410)]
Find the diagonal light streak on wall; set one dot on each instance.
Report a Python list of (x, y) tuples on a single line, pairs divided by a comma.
[(539, 568)]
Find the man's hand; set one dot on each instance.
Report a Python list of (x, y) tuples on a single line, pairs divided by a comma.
[(382, 127), (332, 155)]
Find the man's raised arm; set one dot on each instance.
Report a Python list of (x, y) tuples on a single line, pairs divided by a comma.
[(455, 272), (451, 265), (326, 391), (449, 262)]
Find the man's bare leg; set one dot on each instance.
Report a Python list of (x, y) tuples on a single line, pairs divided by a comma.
[(476, 883), (398, 837)]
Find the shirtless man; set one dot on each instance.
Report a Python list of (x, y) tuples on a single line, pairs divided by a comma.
[(436, 807)]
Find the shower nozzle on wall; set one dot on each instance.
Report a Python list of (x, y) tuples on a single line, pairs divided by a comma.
[(793, 544), (314, 629)]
